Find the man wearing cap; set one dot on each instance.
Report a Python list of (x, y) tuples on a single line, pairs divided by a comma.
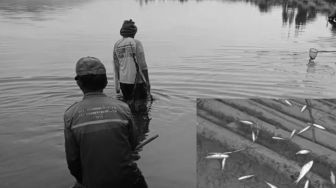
[(100, 134), (130, 66)]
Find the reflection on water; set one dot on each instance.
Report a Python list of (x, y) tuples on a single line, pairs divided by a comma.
[(298, 11), (142, 117), (35, 9), (35, 6)]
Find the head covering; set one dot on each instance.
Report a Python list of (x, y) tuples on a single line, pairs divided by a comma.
[(89, 65), (128, 29)]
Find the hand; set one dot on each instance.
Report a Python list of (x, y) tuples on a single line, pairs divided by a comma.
[(135, 156), (117, 85), (148, 88), (117, 88), (77, 185)]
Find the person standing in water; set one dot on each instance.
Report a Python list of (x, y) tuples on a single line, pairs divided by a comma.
[(100, 134), (130, 67)]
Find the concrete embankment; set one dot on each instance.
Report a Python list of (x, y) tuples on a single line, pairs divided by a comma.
[(219, 120)]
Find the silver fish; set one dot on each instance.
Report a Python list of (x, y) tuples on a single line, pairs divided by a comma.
[(292, 134), (304, 170), (287, 102), (306, 184), (217, 156), (302, 152), (303, 108), (270, 185), (247, 122), (318, 126), (332, 177), (223, 163), (245, 177), (304, 129), (277, 138), (253, 137)]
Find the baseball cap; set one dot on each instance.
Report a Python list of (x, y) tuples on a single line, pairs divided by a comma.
[(89, 65)]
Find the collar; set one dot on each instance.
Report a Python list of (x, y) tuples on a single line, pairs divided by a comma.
[(91, 94)]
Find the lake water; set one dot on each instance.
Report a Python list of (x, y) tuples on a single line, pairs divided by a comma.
[(193, 49)]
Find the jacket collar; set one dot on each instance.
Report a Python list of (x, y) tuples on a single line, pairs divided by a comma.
[(91, 94)]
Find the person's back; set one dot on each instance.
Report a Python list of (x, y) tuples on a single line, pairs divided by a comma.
[(101, 127), (125, 49), (130, 66), (100, 139)]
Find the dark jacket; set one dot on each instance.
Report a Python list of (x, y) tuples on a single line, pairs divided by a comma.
[(99, 140)]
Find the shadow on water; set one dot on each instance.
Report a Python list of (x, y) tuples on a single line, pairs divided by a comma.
[(141, 115)]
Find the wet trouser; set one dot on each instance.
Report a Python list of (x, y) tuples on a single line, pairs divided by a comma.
[(134, 181), (133, 91), (140, 183)]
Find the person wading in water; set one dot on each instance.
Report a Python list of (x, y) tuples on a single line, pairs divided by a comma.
[(130, 67), (100, 134)]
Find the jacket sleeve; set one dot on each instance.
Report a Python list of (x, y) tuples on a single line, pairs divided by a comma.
[(72, 152)]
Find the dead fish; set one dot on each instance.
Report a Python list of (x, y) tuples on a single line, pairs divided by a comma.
[(247, 122), (302, 152), (287, 102), (304, 170), (332, 177), (306, 184), (228, 152), (303, 108), (223, 163), (292, 134), (245, 177), (270, 185), (277, 138), (318, 126), (217, 156), (304, 129), (253, 137)]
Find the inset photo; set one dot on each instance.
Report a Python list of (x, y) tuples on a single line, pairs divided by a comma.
[(247, 143)]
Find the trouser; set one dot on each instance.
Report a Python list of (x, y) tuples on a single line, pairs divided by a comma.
[(140, 183), (137, 180), (132, 91)]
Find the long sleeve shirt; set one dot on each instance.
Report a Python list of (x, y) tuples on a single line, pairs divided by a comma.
[(99, 140)]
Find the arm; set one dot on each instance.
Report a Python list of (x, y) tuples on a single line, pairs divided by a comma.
[(145, 73), (142, 63), (72, 153), (116, 72)]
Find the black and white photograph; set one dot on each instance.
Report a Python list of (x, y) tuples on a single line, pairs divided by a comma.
[(106, 93)]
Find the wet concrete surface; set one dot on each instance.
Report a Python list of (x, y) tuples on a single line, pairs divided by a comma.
[(210, 174), (269, 160)]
